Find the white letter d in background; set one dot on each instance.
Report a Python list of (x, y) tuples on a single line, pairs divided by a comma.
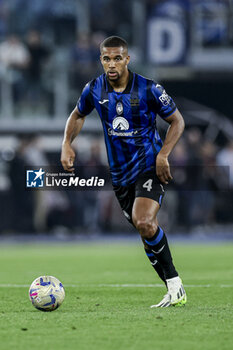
[(166, 41)]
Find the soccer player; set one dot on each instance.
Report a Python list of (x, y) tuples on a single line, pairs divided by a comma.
[(127, 104)]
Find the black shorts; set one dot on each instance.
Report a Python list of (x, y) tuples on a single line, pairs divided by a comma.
[(147, 185)]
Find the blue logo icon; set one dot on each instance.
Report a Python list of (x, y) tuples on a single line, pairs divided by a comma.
[(35, 178)]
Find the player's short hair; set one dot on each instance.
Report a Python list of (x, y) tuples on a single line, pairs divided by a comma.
[(114, 41)]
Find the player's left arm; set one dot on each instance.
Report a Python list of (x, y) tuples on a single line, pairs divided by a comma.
[(174, 133)]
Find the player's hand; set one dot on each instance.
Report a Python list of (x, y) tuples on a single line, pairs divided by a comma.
[(67, 157), (163, 169)]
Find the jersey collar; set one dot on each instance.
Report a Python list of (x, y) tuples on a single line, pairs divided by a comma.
[(128, 88)]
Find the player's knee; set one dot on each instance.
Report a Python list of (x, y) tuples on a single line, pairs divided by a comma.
[(146, 227)]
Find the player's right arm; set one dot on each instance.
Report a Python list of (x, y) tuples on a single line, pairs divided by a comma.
[(73, 127)]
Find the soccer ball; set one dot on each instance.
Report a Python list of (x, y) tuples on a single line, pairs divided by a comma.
[(46, 293)]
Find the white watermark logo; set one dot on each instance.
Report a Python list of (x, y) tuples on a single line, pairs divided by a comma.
[(93, 181), (40, 179), (35, 178)]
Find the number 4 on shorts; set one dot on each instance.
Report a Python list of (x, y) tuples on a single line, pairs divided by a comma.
[(148, 185)]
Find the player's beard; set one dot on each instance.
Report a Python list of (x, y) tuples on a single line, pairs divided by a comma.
[(115, 77)]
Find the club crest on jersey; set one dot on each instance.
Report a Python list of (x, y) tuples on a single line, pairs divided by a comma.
[(120, 123), (119, 108)]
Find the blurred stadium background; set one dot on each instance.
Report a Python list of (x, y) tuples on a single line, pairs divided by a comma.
[(50, 49)]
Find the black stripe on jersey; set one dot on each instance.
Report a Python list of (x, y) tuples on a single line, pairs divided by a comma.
[(136, 120), (150, 98), (104, 116), (126, 148), (151, 107), (112, 152)]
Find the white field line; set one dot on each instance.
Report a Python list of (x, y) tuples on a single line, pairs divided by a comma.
[(105, 285)]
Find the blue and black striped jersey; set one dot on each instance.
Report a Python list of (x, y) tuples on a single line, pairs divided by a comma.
[(129, 123)]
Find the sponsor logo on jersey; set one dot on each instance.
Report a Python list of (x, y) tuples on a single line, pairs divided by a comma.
[(134, 102), (165, 98), (119, 108), (102, 102), (120, 123), (125, 133)]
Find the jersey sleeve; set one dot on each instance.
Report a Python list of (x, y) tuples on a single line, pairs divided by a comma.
[(85, 102), (163, 103)]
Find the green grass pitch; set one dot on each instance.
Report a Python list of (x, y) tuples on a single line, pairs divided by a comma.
[(109, 288)]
